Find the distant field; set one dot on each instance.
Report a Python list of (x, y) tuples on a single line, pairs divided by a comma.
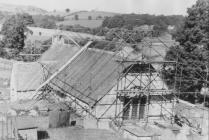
[(97, 18), (82, 22), (93, 14)]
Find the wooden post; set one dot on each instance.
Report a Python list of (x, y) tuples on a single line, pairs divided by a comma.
[(11, 130), (138, 108), (2, 129), (6, 126), (15, 129), (130, 110)]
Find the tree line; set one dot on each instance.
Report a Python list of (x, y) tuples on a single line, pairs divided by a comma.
[(14, 32), (130, 21), (192, 54)]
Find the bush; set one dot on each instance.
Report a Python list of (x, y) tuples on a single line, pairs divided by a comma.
[(89, 17), (104, 45), (45, 21), (113, 22), (129, 21), (76, 17)]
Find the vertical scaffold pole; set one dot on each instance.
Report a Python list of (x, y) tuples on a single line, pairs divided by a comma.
[(176, 68)]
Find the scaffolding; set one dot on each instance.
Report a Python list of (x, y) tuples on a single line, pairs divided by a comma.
[(134, 90), (139, 87)]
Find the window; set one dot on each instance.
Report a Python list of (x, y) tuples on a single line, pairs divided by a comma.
[(135, 109)]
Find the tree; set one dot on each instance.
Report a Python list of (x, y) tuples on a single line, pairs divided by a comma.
[(99, 17), (13, 31), (116, 21), (193, 51), (135, 20), (89, 17), (76, 17), (46, 21), (67, 10)]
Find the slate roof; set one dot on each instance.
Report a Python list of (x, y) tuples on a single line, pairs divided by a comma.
[(90, 76)]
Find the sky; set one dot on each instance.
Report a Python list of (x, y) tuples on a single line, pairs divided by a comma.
[(157, 7)]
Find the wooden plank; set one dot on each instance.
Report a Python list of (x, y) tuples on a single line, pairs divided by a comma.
[(29, 54)]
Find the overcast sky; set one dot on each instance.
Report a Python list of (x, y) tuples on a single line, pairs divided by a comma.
[(166, 7)]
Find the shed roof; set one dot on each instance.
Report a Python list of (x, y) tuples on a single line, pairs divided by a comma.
[(28, 122)]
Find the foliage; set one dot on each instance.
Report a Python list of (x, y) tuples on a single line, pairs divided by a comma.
[(101, 44), (130, 21), (13, 31), (3, 15), (99, 17), (89, 17), (113, 22), (76, 17), (130, 36), (67, 10), (193, 52), (104, 45), (46, 21), (100, 31), (13, 43), (75, 28), (39, 48)]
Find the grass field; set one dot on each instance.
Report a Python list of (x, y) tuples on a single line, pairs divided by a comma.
[(82, 22), (83, 18), (93, 14)]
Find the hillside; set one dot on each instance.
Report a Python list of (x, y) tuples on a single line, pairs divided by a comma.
[(82, 22), (14, 9)]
